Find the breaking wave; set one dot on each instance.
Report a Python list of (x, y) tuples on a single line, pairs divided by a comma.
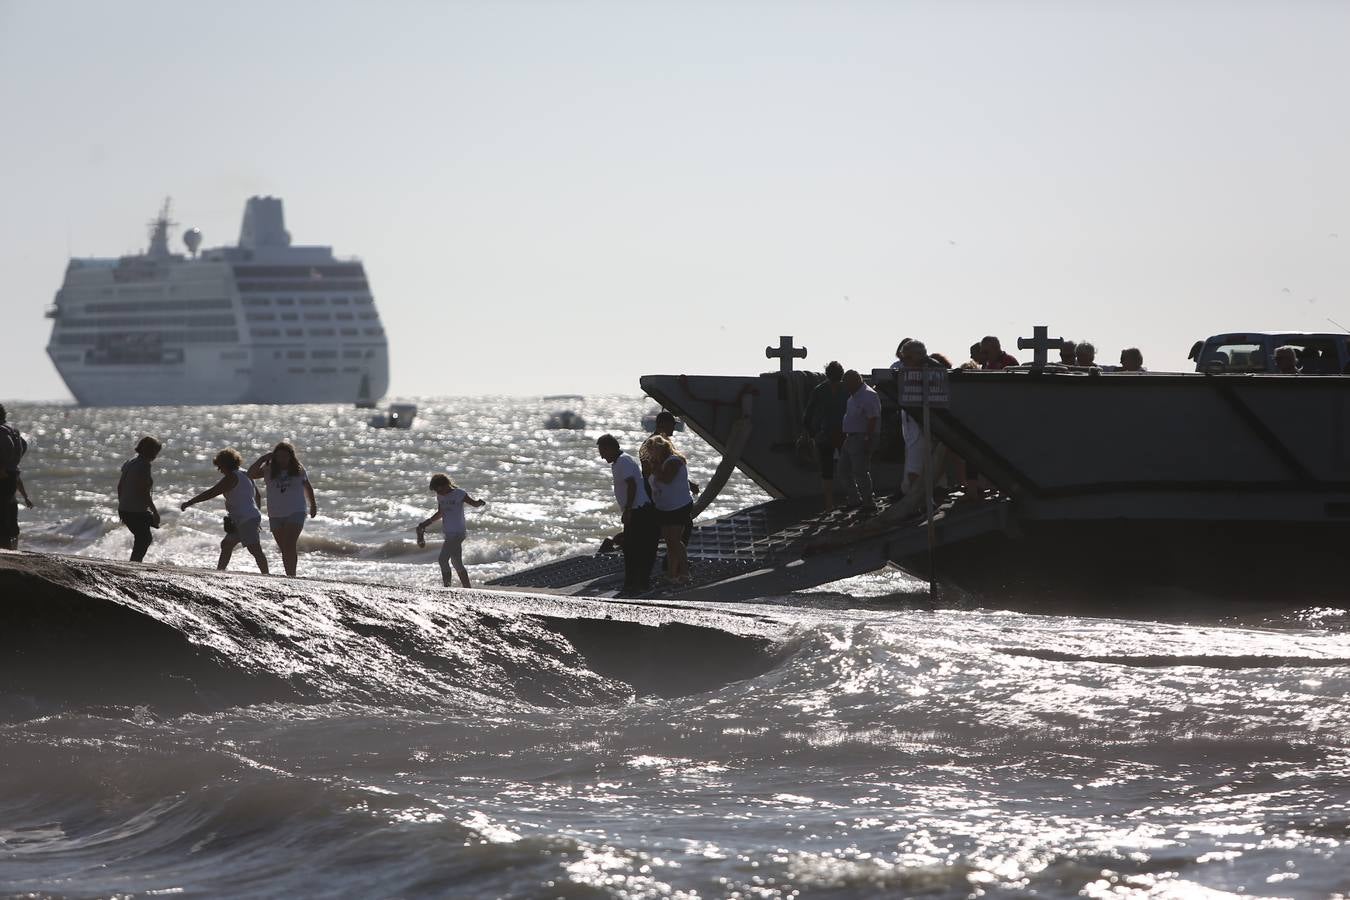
[(79, 632)]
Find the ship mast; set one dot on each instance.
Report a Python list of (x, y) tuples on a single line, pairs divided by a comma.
[(159, 233)]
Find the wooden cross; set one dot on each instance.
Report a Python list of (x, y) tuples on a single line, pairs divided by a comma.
[(1041, 343), (784, 353)]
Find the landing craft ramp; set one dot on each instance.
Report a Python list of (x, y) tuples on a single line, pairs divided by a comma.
[(779, 547)]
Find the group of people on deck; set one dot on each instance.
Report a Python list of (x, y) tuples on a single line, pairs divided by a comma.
[(842, 418), (988, 353)]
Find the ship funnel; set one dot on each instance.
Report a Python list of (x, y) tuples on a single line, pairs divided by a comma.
[(193, 238), (264, 224)]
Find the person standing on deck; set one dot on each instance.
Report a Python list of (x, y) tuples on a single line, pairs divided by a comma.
[(640, 531), (916, 450), (669, 483), (995, 357), (665, 427), (241, 503), (862, 416), (823, 424), (135, 507)]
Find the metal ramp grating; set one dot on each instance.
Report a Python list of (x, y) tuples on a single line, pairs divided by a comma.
[(735, 555)]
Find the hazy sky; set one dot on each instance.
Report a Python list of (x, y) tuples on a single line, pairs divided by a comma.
[(558, 197)]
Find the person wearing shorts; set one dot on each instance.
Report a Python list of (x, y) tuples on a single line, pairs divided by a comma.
[(450, 501), (241, 503), (135, 507), (288, 493), (674, 504)]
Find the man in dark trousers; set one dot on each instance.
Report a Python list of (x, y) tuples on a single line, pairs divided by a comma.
[(135, 507), (12, 449), (640, 532)]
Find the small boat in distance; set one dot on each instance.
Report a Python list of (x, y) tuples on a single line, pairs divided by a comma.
[(400, 415), (565, 420)]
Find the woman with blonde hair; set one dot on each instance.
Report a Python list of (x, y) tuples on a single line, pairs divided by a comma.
[(241, 503), (674, 504), (288, 489)]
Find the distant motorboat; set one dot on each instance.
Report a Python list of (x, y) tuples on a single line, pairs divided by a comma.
[(649, 422), (565, 420), (400, 415)]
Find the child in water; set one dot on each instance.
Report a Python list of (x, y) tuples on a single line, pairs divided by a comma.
[(450, 499)]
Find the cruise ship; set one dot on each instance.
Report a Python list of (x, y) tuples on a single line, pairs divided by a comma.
[(260, 322)]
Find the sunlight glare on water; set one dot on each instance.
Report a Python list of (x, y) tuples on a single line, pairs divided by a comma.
[(1191, 748)]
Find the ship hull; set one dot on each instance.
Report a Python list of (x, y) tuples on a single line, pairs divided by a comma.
[(1103, 561), (1177, 447), (202, 380)]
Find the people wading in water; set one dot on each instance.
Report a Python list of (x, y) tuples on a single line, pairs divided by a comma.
[(288, 493), (135, 507), (450, 500), (241, 503), (12, 448)]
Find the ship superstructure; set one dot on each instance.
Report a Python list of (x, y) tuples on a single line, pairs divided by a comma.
[(260, 322)]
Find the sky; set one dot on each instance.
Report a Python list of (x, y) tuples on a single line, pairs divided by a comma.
[(559, 197)]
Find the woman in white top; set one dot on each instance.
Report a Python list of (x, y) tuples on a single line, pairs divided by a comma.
[(288, 490), (450, 500), (241, 502), (674, 504)]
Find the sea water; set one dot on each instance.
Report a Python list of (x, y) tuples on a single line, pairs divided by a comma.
[(1180, 746)]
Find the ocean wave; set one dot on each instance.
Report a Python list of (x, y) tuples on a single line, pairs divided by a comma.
[(187, 639)]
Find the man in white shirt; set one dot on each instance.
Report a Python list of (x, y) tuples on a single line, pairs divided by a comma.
[(862, 420), (640, 531)]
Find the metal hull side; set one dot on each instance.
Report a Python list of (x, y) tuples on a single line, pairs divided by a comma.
[(1168, 447), (711, 404), (1133, 561), (1075, 447)]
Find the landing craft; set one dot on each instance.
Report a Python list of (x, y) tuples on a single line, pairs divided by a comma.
[(1232, 480)]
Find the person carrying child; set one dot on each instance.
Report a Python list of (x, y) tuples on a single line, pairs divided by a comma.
[(450, 498)]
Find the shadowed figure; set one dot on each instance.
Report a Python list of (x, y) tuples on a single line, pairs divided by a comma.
[(135, 507)]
